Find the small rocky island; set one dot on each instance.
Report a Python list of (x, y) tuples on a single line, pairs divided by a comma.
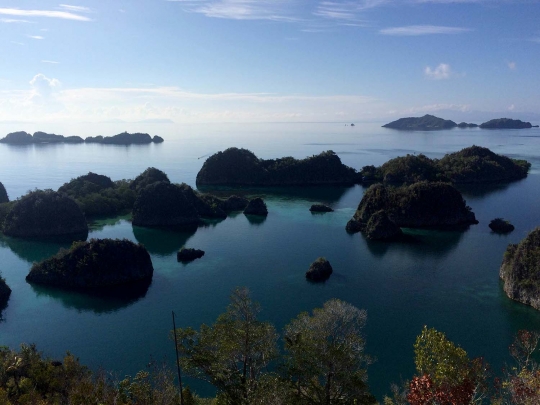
[(320, 208), (520, 270), (381, 227), (93, 265), (474, 164), (256, 207), (423, 204), (188, 254), (3, 194), (43, 214), (24, 138), (505, 123), (425, 123), (320, 270), (499, 225), (240, 167), (5, 292)]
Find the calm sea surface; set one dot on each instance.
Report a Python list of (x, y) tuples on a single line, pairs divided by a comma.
[(447, 279)]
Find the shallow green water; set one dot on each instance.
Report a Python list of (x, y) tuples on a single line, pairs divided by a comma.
[(446, 279)]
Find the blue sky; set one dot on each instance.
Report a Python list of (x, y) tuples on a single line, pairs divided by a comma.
[(267, 60)]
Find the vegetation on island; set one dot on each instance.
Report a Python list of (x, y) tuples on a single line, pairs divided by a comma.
[(163, 204), (501, 225), (320, 359), (520, 270), (505, 123), (43, 213), (96, 264), (99, 195), (320, 208), (381, 227), (241, 167), (24, 138), (3, 194), (5, 292), (423, 204), (425, 123), (474, 164), (149, 176), (189, 254)]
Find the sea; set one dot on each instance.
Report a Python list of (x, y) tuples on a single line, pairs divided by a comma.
[(445, 279)]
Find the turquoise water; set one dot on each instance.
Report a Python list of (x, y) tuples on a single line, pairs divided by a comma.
[(446, 279)]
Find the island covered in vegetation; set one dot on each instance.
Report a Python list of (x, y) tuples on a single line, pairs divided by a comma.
[(520, 270), (423, 204), (474, 164), (240, 167), (431, 123), (125, 138), (96, 264), (3, 194), (44, 213)]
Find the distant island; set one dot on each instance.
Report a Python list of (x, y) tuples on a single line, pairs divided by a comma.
[(474, 164), (96, 264), (432, 123), (24, 138), (240, 167)]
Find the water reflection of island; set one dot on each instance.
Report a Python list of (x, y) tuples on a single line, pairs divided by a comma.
[(99, 302), (163, 242), (35, 250)]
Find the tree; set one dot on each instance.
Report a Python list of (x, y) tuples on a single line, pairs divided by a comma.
[(446, 375), (233, 353), (325, 358)]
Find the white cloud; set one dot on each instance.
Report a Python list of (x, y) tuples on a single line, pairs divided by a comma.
[(441, 72), (512, 107), (50, 61), (17, 43), (76, 9), (42, 87), (14, 20), (43, 13), (415, 30), (35, 36), (512, 65), (345, 10)]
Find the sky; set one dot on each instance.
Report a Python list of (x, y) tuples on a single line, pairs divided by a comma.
[(197, 61)]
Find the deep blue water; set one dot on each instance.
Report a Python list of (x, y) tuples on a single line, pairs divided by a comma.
[(446, 279)]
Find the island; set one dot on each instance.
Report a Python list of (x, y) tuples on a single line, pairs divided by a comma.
[(5, 292), (520, 270), (98, 195), (44, 213), (465, 125), (505, 123), (163, 204), (320, 208), (425, 123), (423, 204), (188, 254), (93, 265), (3, 194), (381, 227), (125, 138), (474, 164), (240, 167), (256, 207), (320, 270), (500, 225)]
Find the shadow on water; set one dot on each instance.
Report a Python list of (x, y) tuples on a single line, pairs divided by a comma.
[(99, 302), (326, 194), (161, 241), (3, 306), (256, 220), (482, 190), (35, 250), (420, 242)]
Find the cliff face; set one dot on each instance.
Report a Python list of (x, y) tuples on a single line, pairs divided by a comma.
[(419, 205), (241, 167), (425, 123), (45, 213), (98, 263), (520, 270)]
